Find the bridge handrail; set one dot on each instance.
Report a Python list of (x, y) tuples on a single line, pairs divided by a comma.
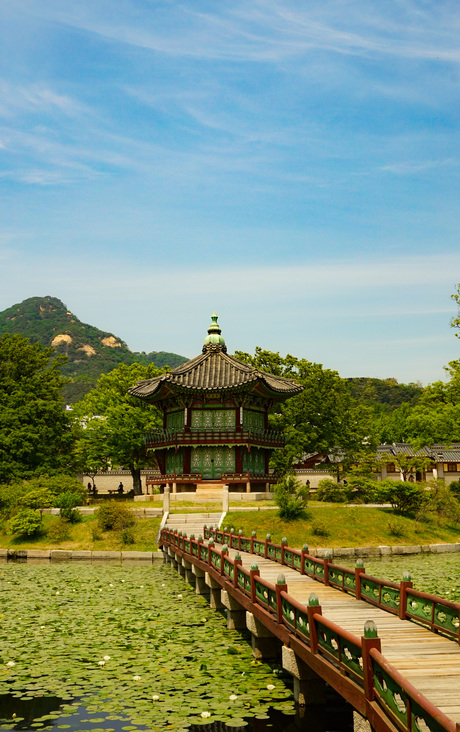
[(435, 612), (402, 702), (393, 597), (358, 658)]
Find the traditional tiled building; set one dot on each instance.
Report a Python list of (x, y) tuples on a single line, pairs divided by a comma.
[(215, 420)]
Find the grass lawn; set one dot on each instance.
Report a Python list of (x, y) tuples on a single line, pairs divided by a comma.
[(83, 536), (339, 526)]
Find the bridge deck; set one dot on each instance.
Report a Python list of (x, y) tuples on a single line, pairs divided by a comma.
[(430, 662)]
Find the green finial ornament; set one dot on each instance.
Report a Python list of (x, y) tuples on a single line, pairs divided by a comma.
[(214, 337)]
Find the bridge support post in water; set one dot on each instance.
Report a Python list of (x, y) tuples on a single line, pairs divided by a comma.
[(265, 645), (215, 602), (201, 587), (189, 576), (172, 557), (236, 614), (180, 567), (309, 688)]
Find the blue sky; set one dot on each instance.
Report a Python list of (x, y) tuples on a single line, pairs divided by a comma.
[(292, 165)]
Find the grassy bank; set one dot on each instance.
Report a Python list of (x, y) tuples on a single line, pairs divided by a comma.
[(85, 535), (324, 526), (339, 526)]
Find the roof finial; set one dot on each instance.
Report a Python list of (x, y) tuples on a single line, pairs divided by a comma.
[(214, 337)]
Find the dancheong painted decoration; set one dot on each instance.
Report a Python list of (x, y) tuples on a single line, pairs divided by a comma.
[(215, 420)]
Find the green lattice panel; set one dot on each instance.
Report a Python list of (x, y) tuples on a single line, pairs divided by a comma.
[(392, 695), (259, 548), (261, 593), (228, 569)]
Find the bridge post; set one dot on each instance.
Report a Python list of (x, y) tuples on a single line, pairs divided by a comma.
[(265, 645), (236, 614), (253, 572), (201, 587), (405, 584), (359, 570), (369, 640), (215, 603), (313, 608), (309, 688), (189, 576)]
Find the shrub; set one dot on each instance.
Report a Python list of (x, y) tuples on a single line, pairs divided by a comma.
[(127, 536), (330, 491), (59, 530), (67, 503), (319, 529), (37, 497), (113, 516), (26, 523), (454, 488), (404, 496), (291, 496), (395, 528)]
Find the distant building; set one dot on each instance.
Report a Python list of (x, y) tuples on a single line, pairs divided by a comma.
[(215, 421)]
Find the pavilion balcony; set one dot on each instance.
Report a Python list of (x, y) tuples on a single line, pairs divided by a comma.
[(184, 438)]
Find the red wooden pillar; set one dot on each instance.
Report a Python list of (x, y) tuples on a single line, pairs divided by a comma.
[(281, 586), (359, 570), (313, 608), (369, 640), (302, 558), (253, 572), (404, 586), (236, 562)]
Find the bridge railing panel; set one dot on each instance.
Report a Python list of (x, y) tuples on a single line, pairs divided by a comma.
[(293, 558), (216, 559), (433, 611), (295, 617), (244, 580), (407, 708), (314, 567), (342, 578), (274, 552), (258, 547), (229, 568), (265, 594), (382, 593), (341, 647)]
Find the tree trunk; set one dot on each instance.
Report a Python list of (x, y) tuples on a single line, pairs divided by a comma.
[(136, 476)]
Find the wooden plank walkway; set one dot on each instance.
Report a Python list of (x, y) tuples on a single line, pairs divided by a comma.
[(430, 662)]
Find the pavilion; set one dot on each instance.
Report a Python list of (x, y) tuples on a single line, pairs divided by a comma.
[(215, 421)]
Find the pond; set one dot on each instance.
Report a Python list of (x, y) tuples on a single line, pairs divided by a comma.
[(438, 574), (111, 648)]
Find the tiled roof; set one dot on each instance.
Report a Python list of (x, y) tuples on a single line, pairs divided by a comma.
[(439, 453), (215, 370)]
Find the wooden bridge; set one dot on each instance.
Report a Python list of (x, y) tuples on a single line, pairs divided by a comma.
[(389, 650)]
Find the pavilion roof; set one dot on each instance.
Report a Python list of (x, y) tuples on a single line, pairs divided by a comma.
[(214, 370)]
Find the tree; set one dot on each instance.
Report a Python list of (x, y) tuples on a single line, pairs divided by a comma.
[(35, 433), (323, 418), (111, 425)]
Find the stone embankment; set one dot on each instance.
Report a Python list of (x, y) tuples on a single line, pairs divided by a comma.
[(64, 555)]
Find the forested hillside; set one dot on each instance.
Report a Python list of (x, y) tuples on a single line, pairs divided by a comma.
[(90, 351)]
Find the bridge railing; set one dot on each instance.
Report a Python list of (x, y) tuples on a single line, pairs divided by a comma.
[(399, 598), (358, 659), (407, 708)]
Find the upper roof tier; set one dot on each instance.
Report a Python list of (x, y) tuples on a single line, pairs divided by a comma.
[(214, 370)]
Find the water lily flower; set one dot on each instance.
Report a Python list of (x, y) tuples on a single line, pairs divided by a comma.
[(270, 687), (205, 715), (179, 597), (42, 627), (232, 697), (136, 678), (58, 593), (101, 663), (10, 663), (155, 697), (107, 658)]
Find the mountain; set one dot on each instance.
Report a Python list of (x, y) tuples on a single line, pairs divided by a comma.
[(90, 351)]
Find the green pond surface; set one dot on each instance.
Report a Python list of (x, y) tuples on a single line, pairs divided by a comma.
[(438, 574), (110, 648)]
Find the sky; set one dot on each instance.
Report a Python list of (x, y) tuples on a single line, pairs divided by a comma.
[(293, 166)]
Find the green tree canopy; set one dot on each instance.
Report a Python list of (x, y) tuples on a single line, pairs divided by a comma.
[(111, 425), (323, 418), (35, 434)]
